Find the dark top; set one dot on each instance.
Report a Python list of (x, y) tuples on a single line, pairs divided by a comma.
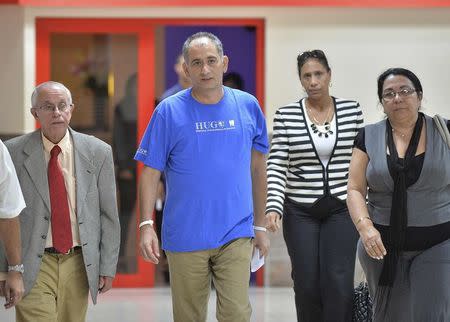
[(417, 238)]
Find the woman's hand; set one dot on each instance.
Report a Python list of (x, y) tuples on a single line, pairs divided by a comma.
[(273, 221), (371, 240)]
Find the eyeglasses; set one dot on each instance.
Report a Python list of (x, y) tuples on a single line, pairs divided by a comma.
[(389, 96), (62, 107)]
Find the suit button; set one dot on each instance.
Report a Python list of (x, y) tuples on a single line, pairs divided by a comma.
[(46, 218), (44, 236), (88, 265), (80, 223), (40, 255), (85, 244)]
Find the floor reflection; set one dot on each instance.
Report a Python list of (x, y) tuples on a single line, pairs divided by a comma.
[(154, 305)]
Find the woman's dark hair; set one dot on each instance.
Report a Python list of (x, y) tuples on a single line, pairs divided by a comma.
[(318, 54), (399, 72)]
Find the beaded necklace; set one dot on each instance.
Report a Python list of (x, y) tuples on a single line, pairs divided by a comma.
[(321, 128)]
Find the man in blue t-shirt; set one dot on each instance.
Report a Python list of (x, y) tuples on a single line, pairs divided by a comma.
[(210, 142)]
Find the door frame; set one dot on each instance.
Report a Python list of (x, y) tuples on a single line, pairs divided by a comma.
[(144, 29)]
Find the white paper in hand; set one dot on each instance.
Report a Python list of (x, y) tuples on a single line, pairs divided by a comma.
[(256, 262)]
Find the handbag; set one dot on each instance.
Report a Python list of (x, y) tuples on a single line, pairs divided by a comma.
[(441, 125), (362, 304)]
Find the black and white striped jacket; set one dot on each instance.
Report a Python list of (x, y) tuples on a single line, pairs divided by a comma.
[(294, 169)]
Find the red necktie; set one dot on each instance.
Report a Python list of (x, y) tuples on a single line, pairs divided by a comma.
[(61, 228)]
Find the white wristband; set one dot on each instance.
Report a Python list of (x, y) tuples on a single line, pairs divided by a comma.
[(260, 228), (146, 222)]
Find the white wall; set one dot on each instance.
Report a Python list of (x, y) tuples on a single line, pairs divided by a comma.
[(11, 70), (360, 44)]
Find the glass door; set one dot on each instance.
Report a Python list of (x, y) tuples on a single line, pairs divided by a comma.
[(104, 63)]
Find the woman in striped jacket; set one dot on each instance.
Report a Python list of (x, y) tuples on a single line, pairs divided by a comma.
[(307, 183)]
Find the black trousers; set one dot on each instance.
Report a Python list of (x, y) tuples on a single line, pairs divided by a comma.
[(322, 253)]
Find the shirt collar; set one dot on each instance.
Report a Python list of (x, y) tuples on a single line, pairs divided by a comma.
[(64, 144)]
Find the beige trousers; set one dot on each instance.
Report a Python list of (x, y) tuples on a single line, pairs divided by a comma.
[(190, 280), (60, 293)]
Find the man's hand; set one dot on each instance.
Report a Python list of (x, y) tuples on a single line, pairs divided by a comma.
[(262, 242), (104, 283), (12, 289), (149, 245), (273, 221)]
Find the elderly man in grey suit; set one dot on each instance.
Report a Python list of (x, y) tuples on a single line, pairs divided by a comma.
[(70, 227)]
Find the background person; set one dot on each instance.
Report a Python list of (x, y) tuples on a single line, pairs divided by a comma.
[(307, 182), (183, 80), (124, 147), (233, 80), (403, 166)]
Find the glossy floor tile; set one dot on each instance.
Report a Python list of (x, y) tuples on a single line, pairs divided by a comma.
[(154, 305)]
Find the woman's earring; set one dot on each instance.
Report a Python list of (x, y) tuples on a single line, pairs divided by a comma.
[(331, 84)]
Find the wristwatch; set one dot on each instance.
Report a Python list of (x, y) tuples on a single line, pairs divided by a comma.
[(16, 268)]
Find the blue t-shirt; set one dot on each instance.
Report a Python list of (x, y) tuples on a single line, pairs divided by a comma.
[(205, 152)]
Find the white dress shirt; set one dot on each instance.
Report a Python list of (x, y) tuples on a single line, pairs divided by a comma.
[(11, 198)]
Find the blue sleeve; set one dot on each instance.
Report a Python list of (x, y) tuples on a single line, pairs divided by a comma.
[(260, 140), (154, 148)]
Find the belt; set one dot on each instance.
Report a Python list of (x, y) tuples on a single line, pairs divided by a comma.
[(53, 250)]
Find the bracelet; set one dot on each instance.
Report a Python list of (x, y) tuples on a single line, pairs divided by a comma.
[(146, 222), (260, 228), (361, 219)]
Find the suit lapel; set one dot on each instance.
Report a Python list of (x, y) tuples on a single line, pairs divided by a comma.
[(84, 169), (36, 166)]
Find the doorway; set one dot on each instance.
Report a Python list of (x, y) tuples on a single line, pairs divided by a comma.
[(113, 68)]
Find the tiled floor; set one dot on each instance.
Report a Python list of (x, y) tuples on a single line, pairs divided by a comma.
[(269, 304)]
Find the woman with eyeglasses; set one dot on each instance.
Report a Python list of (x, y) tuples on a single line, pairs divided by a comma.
[(307, 187), (402, 164)]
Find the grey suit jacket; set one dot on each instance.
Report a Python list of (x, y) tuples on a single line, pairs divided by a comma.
[(96, 205)]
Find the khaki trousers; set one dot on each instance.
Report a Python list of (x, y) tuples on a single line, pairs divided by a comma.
[(190, 280), (60, 293)]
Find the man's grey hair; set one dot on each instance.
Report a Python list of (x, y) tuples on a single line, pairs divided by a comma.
[(202, 34), (38, 89)]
